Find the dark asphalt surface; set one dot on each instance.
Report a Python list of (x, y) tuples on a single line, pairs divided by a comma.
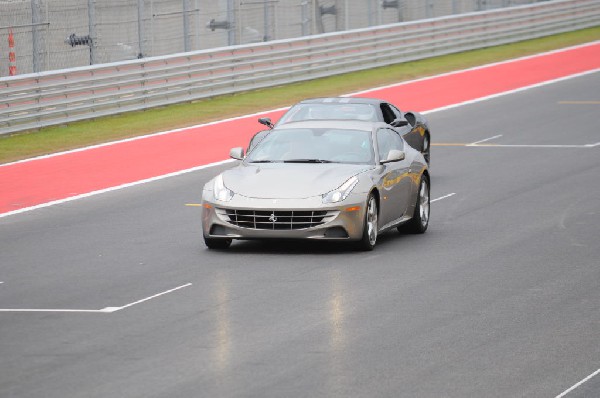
[(500, 298)]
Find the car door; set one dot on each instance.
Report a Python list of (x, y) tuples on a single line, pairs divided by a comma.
[(395, 181)]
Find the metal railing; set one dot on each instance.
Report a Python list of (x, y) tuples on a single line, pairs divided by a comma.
[(58, 97), (61, 34)]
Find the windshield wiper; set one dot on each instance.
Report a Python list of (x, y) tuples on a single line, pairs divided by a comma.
[(307, 161), (263, 161)]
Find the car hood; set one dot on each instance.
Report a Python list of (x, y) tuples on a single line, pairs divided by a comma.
[(288, 180)]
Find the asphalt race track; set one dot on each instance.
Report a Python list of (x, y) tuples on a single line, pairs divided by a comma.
[(116, 296)]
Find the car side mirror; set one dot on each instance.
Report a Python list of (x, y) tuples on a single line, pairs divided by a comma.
[(394, 156), (266, 121), (237, 153), (399, 123)]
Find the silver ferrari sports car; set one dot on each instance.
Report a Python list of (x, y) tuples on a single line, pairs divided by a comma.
[(322, 180)]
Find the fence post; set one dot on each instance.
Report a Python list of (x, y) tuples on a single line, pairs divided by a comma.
[(401, 5), (186, 26), (140, 15), (36, 20), (313, 27), (198, 24), (231, 40), (92, 29), (346, 16), (304, 15), (267, 21)]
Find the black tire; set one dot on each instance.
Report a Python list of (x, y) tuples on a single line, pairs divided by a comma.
[(217, 243), (369, 238), (420, 220)]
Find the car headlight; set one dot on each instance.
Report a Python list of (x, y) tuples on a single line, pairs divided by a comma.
[(220, 191), (341, 193)]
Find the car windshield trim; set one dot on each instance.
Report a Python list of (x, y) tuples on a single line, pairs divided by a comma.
[(308, 161)]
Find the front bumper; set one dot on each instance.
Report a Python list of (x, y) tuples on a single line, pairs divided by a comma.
[(307, 218)]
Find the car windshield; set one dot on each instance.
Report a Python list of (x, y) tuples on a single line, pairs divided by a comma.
[(314, 146), (330, 111)]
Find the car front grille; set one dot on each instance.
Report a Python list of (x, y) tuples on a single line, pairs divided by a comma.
[(276, 219)]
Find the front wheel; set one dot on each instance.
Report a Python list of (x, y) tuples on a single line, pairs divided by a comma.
[(217, 243), (369, 238), (420, 220)]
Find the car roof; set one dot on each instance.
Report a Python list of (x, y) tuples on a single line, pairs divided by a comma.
[(331, 124), (342, 100)]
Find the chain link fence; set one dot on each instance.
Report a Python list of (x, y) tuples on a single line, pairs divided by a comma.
[(44, 35)]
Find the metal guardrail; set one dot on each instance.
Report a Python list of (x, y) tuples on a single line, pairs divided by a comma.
[(58, 97)]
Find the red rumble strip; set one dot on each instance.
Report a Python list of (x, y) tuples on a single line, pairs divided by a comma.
[(38, 181)]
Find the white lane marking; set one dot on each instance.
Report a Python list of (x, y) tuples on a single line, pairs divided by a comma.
[(113, 309), (131, 184), (26, 209), (578, 384), (485, 140), (593, 145), (46, 310), (508, 61), (140, 137), (529, 146), (566, 49), (103, 310), (443, 197)]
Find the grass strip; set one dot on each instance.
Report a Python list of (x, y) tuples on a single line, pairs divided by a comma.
[(53, 139)]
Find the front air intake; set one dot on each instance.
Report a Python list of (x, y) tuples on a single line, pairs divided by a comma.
[(276, 219)]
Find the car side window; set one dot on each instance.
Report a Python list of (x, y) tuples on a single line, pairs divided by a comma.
[(397, 113), (388, 139), (397, 141), (384, 143), (388, 114)]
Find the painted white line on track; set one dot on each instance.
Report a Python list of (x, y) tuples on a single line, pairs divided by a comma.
[(106, 310), (593, 145), (148, 298), (508, 61), (46, 310), (140, 137), (560, 50), (517, 90), (485, 140), (578, 384), (443, 197), (230, 160), (26, 209), (528, 146), (131, 184)]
